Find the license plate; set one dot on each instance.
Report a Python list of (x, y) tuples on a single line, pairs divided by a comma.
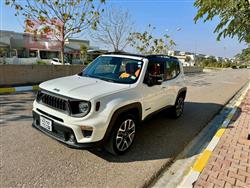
[(46, 123)]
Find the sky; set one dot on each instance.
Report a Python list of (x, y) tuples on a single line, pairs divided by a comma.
[(174, 17)]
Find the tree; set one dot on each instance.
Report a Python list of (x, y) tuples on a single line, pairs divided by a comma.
[(59, 18), (113, 29), (3, 52), (83, 52), (244, 55), (207, 62), (187, 59), (146, 43), (234, 17)]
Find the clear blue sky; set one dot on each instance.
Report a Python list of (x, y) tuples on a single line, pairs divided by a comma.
[(163, 14)]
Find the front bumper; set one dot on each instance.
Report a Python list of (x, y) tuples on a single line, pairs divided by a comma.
[(63, 134)]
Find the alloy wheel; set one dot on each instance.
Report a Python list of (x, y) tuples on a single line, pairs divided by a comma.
[(125, 135), (179, 106)]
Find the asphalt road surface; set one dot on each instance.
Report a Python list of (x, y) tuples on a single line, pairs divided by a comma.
[(29, 158)]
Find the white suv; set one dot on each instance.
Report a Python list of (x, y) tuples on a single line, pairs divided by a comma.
[(104, 104)]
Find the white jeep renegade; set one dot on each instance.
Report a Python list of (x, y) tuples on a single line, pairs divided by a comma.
[(103, 105)]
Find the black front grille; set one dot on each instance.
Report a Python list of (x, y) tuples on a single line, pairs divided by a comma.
[(54, 102)]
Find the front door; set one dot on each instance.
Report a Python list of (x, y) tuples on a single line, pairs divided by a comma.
[(154, 97)]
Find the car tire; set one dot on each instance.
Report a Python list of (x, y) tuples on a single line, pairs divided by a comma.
[(177, 109), (122, 136)]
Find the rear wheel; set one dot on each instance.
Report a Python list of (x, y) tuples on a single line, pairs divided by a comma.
[(177, 109), (122, 136)]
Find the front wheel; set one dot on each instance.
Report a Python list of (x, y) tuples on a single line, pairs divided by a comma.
[(122, 136), (177, 109)]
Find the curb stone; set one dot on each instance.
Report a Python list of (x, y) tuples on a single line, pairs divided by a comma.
[(202, 160), (18, 89)]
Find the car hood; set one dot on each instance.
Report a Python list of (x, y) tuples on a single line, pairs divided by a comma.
[(79, 87)]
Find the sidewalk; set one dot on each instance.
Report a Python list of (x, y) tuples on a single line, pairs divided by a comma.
[(229, 165)]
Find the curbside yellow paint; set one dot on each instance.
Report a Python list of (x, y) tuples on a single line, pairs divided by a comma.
[(220, 132), (7, 90), (17, 89), (202, 161), (35, 87), (230, 116)]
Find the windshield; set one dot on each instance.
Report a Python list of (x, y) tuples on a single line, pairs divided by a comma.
[(114, 69)]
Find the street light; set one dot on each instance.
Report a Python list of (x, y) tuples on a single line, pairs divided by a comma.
[(176, 29)]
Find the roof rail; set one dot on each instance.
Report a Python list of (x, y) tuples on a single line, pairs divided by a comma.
[(141, 55), (161, 55), (125, 53)]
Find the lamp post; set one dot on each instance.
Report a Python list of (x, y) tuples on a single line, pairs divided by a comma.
[(172, 31), (224, 53)]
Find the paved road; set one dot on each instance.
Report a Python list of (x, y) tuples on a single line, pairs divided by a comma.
[(29, 158)]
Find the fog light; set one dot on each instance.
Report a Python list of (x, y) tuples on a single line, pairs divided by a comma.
[(87, 131), (71, 138), (87, 134)]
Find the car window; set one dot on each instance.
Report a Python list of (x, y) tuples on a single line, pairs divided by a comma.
[(125, 63), (155, 70), (172, 69), (106, 67), (114, 69)]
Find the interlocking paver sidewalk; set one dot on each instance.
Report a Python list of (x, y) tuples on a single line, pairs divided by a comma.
[(229, 165)]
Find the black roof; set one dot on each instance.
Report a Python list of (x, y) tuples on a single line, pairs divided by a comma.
[(141, 55)]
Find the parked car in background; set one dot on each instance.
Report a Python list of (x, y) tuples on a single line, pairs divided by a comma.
[(56, 61)]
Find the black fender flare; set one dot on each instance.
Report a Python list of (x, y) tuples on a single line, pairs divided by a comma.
[(118, 112), (182, 90)]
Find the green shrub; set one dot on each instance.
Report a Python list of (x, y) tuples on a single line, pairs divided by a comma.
[(40, 62), (242, 66), (226, 65)]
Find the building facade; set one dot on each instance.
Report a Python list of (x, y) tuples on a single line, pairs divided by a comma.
[(26, 45)]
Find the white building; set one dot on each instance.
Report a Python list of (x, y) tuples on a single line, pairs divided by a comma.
[(187, 58)]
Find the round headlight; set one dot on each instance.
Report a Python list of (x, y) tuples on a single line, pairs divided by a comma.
[(83, 107)]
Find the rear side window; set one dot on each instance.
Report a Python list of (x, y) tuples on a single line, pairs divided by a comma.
[(172, 69)]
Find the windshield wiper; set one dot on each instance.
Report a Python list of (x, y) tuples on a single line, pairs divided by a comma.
[(106, 79), (101, 78)]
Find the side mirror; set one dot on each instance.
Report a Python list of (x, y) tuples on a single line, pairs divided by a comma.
[(154, 80), (159, 81)]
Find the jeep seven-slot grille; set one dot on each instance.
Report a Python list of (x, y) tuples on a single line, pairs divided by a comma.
[(54, 102)]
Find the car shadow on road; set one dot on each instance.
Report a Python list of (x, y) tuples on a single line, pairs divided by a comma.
[(164, 138), (13, 107), (160, 137)]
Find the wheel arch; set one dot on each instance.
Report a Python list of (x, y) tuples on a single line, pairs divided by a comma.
[(182, 92), (133, 108)]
